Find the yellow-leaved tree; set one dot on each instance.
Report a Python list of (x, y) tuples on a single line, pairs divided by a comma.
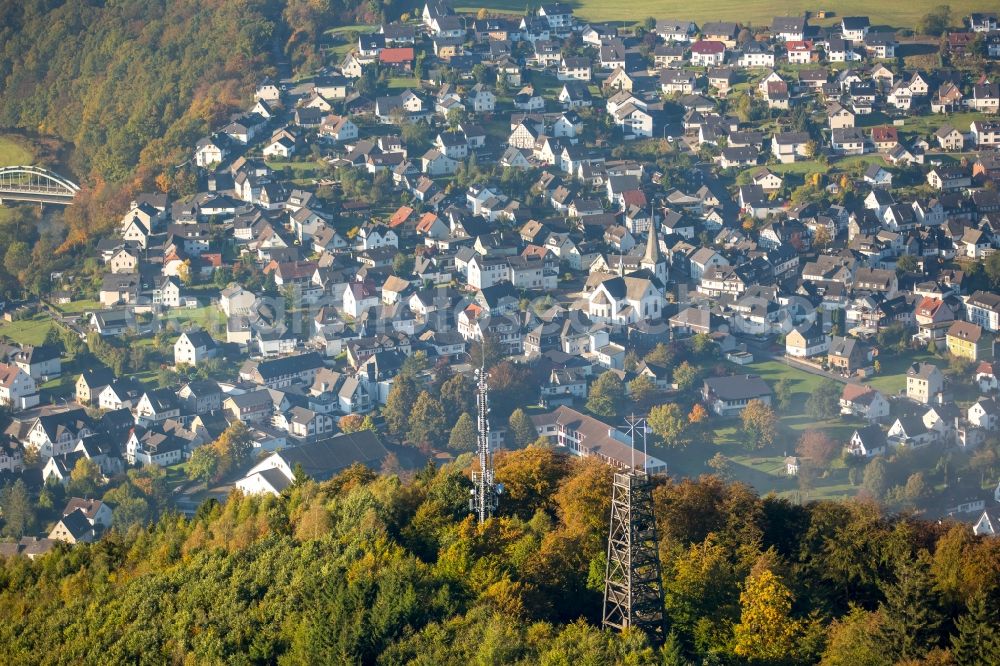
[(766, 631)]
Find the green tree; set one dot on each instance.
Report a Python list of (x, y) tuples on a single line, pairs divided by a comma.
[(520, 428), (783, 393), (659, 355), (415, 364), (17, 259), (203, 464), (130, 507), (641, 388), (976, 640), (991, 266), (458, 395), (400, 401), (911, 612), (402, 265), (936, 21), (906, 264), (463, 434), (18, 512), (852, 640), (668, 422), (824, 402), (686, 376), (427, 425), (875, 481), (607, 394)]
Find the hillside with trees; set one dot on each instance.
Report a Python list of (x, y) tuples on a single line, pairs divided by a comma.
[(370, 568), (132, 85)]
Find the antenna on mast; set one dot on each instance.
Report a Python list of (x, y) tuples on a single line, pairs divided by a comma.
[(485, 493)]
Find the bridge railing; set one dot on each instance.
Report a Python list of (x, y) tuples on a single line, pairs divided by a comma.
[(35, 180)]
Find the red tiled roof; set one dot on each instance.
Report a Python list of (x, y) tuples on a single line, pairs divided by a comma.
[(400, 216), (708, 46), (396, 55)]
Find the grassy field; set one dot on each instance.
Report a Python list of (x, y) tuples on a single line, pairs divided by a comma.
[(896, 14), (31, 331), (13, 152)]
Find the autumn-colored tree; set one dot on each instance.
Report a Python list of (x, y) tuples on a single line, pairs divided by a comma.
[(85, 477), (697, 414), (583, 503), (488, 351), (668, 422), (356, 422), (817, 447), (233, 447), (529, 477), (759, 424), (766, 631), (821, 238), (852, 640)]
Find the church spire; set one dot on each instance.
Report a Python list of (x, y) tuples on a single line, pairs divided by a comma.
[(652, 254)]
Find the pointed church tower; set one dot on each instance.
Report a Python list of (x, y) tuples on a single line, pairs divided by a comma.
[(652, 260)]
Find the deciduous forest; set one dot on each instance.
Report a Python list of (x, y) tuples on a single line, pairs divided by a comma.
[(369, 568)]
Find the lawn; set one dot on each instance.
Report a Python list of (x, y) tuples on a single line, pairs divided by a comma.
[(803, 383), (14, 152), (892, 376), (897, 14), (927, 125), (208, 317), (31, 331), (403, 82), (78, 307), (298, 168)]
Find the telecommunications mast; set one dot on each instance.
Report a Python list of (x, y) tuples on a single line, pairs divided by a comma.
[(485, 493)]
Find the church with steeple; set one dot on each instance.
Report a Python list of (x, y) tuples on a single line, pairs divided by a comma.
[(645, 260), (652, 259)]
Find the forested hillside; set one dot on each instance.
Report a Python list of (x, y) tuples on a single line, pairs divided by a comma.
[(370, 569), (134, 83)]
